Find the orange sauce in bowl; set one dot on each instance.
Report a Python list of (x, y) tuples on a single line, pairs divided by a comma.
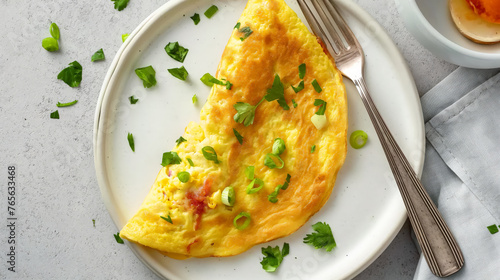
[(477, 19)]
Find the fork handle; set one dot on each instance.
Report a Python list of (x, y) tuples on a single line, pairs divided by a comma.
[(436, 241)]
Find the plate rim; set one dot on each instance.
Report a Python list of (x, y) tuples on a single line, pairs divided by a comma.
[(354, 9)]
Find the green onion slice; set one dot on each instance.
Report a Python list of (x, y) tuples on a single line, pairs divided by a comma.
[(210, 154), (273, 197), (250, 187), (358, 139), (245, 224), (322, 106), (249, 172), (210, 12), (190, 162), (278, 146), (54, 31), (50, 44), (493, 229), (270, 162), (183, 176), (228, 196)]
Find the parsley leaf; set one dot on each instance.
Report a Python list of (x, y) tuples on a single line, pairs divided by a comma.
[(54, 115), (238, 136), (493, 229), (210, 12), (302, 70), (176, 51), (54, 31), (131, 143), (313, 148), (118, 238), (170, 158), (294, 103), (245, 112), (316, 86), (71, 75), (168, 219), (273, 257), (120, 4), (299, 87), (59, 104), (322, 238), (180, 140), (147, 75), (179, 73), (196, 18), (210, 80), (322, 106), (98, 55), (277, 92), (132, 99)]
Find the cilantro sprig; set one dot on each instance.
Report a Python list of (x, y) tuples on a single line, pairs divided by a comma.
[(245, 112), (322, 238), (273, 257)]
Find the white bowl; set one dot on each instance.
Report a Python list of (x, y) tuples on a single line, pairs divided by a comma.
[(429, 21)]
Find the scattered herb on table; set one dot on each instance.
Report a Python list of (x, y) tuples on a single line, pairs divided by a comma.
[(194, 99), (176, 51), (493, 229), (51, 44), (98, 55), (132, 99), (71, 75), (131, 142), (147, 75), (120, 4), (54, 115), (180, 73), (59, 104), (210, 12), (196, 18), (124, 37), (118, 238)]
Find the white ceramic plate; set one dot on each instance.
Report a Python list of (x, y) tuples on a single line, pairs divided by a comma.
[(365, 210)]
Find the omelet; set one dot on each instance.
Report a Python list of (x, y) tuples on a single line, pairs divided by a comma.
[(187, 212)]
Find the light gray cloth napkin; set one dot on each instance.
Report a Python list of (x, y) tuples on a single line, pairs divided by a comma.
[(462, 166)]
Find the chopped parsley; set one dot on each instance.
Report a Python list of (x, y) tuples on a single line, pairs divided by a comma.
[(180, 73), (132, 99), (299, 87), (170, 158), (124, 37), (493, 229), (278, 146), (93, 222), (277, 92), (210, 154), (147, 75), (316, 86), (98, 55), (210, 12), (322, 238), (322, 106), (245, 113), (294, 103), (302, 70), (237, 26), (273, 257), (118, 238), (168, 219), (176, 51), (210, 80), (54, 115), (194, 99), (238, 136), (120, 4), (196, 18), (313, 148), (71, 75), (59, 104), (131, 143), (180, 140)]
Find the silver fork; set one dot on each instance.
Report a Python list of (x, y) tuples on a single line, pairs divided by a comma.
[(436, 241)]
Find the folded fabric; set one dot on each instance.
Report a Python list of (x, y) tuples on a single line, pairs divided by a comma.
[(462, 166)]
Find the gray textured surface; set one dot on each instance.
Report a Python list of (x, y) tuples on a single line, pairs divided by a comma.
[(57, 193)]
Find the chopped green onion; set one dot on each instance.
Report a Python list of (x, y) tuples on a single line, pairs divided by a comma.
[(54, 115), (322, 106), (194, 99), (299, 87), (238, 136), (493, 229), (183, 176), (176, 51), (251, 189), (180, 140), (131, 143), (59, 104), (294, 103), (170, 158), (249, 172), (210, 12), (319, 121), (237, 26), (118, 238), (196, 18), (278, 146), (50, 44), (147, 75), (124, 37), (190, 162), (273, 197), (168, 219), (71, 75), (287, 182), (98, 55), (313, 148), (243, 225), (210, 154), (180, 73), (228, 196), (302, 70), (132, 99), (269, 161), (358, 139), (316, 86), (246, 31), (54, 31)]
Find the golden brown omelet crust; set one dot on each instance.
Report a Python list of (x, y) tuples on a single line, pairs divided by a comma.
[(202, 226)]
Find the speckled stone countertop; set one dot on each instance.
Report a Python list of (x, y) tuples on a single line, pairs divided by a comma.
[(57, 195)]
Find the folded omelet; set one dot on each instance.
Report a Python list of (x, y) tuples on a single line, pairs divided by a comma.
[(261, 58)]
